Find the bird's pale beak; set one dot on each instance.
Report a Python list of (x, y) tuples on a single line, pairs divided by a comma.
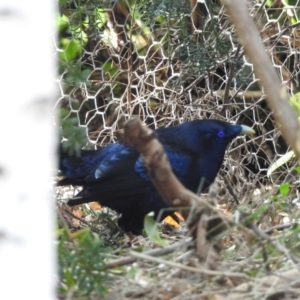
[(247, 130)]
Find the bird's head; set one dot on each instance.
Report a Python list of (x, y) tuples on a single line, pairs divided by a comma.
[(208, 140), (205, 142), (202, 137), (216, 133)]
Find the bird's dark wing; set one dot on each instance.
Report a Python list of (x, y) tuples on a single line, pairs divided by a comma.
[(97, 165), (113, 165), (110, 177), (181, 163)]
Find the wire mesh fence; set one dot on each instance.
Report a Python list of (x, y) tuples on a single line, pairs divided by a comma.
[(168, 62)]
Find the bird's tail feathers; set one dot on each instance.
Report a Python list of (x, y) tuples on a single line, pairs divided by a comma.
[(71, 167), (75, 168), (84, 196), (77, 201)]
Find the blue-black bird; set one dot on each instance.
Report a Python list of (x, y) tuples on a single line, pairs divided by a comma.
[(115, 176)]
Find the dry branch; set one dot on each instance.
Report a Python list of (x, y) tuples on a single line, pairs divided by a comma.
[(154, 252)]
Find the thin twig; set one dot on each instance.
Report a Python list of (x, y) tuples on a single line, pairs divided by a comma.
[(155, 252), (188, 268)]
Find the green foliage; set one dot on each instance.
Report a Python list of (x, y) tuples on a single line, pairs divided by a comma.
[(292, 239), (250, 218), (62, 22), (292, 10), (171, 21), (72, 48), (295, 102), (76, 75), (280, 199), (151, 229), (284, 189), (81, 264), (285, 9), (77, 24), (157, 9), (76, 136)]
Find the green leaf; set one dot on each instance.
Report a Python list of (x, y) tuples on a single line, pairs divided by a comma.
[(281, 161), (76, 75), (295, 102), (110, 70), (79, 34), (71, 49), (282, 205), (151, 230), (269, 3), (63, 113), (75, 135), (100, 18), (62, 22), (292, 9), (284, 189), (256, 214), (60, 231), (69, 279)]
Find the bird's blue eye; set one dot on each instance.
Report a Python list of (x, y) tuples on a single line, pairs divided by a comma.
[(221, 134)]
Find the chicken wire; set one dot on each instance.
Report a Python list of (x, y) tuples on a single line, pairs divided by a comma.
[(166, 62)]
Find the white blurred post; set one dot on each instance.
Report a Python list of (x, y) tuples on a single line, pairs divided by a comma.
[(27, 149)]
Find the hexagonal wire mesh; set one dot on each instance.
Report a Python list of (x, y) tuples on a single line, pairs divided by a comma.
[(167, 63)]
